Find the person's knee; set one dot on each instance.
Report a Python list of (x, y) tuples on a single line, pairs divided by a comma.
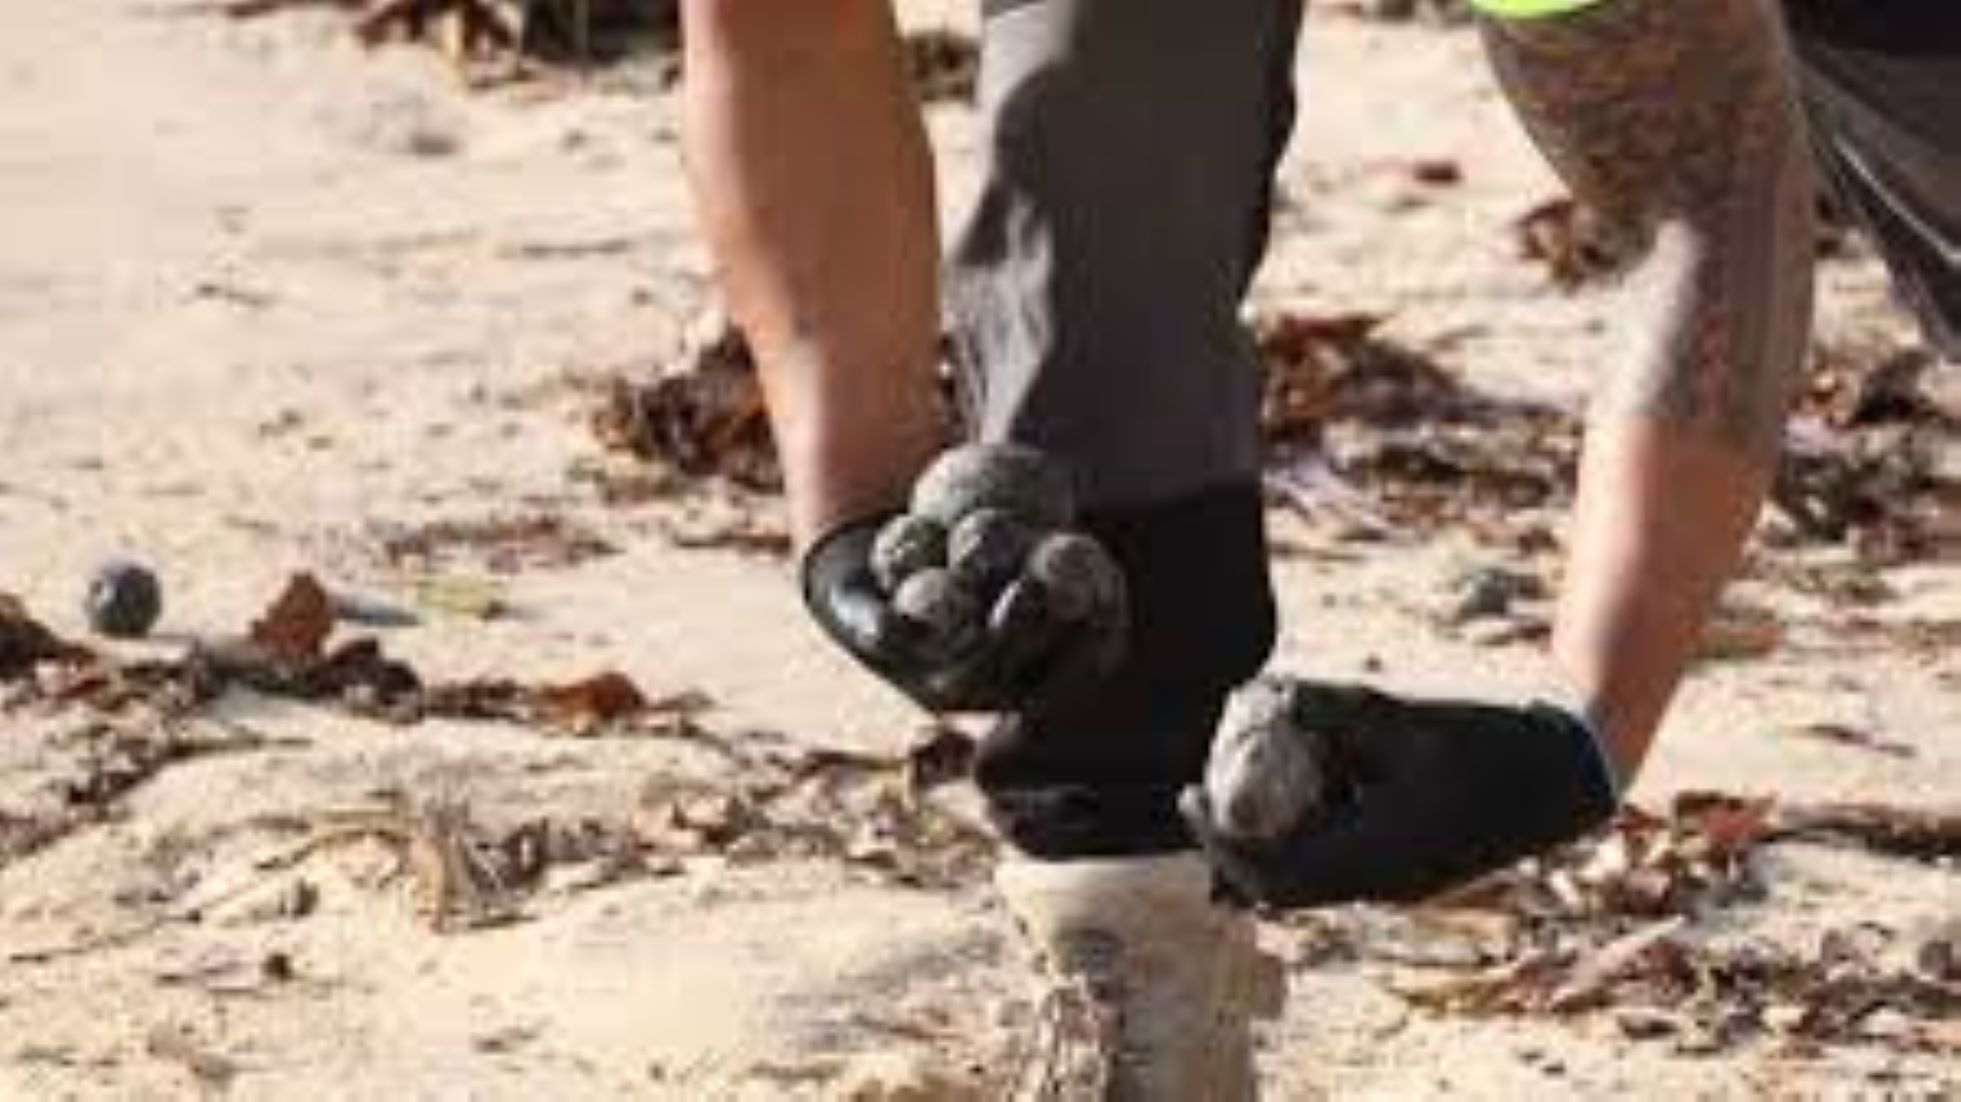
[(780, 29)]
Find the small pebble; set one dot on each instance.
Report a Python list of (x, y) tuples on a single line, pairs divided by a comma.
[(1487, 592)]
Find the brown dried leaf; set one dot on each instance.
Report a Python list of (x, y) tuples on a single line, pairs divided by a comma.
[(587, 705), (295, 626), (1586, 984), (1925, 835), (356, 675), (703, 417), (25, 643), (1365, 429), (1874, 459), (1731, 830), (1591, 940), (1437, 172), (1577, 244), (944, 65), (1741, 632)]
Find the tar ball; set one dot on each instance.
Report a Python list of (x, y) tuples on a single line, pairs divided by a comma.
[(907, 545), (124, 600), (1011, 477), (942, 605), (1022, 619), (1080, 577), (989, 549), (1264, 775)]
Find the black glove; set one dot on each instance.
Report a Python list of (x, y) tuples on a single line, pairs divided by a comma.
[(1423, 797), (981, 600)]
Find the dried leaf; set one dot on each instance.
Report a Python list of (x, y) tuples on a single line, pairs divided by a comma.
[(1839, 734), (1741, 632), (1730, 830), (1874, 459), (1363, 428), (587, 705), (499, 544), (1926, 835), (1446, 13), (1590, 939), (1585, 984), (704, 417), (740, 525), (943, 756), (1437, 172), (1577, 244), (944, 65), (25, 643), (295, 626)]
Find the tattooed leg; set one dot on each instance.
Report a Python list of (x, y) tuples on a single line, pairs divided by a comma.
[(1677, 119)]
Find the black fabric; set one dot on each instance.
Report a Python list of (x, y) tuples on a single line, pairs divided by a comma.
[(1431, 794), (1096, 772), (1094, 287), (1094, 294), (1882, 87)]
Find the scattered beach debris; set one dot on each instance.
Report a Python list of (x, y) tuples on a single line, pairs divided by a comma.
[(1577, 245), (1441, 13), (1874, 456), (1616, 925), (25, 643), (1358, 425), (502, 544), (945, 65), (703, 416)]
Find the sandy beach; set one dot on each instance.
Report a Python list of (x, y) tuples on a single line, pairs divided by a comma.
[(273, 304)]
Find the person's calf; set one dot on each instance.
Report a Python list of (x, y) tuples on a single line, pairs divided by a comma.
[(783, 31)]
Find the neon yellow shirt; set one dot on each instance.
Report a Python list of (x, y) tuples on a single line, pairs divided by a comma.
[(1531, 9)]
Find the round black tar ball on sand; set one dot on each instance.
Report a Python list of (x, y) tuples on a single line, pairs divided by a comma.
[(123, 600)]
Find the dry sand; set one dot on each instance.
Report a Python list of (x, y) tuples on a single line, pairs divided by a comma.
[(262, 294)]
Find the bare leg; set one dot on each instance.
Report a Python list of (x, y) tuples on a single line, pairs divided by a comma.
[(814, 185), (1681, 117)]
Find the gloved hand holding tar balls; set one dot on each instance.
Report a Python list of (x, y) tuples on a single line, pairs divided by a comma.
[(1319, 794), (982, 596)]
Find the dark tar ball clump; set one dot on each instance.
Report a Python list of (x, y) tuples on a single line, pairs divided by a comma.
[(942, 605), (123, 601), (907, 545), (1017, 480), (1079, 576), (989, 549)]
